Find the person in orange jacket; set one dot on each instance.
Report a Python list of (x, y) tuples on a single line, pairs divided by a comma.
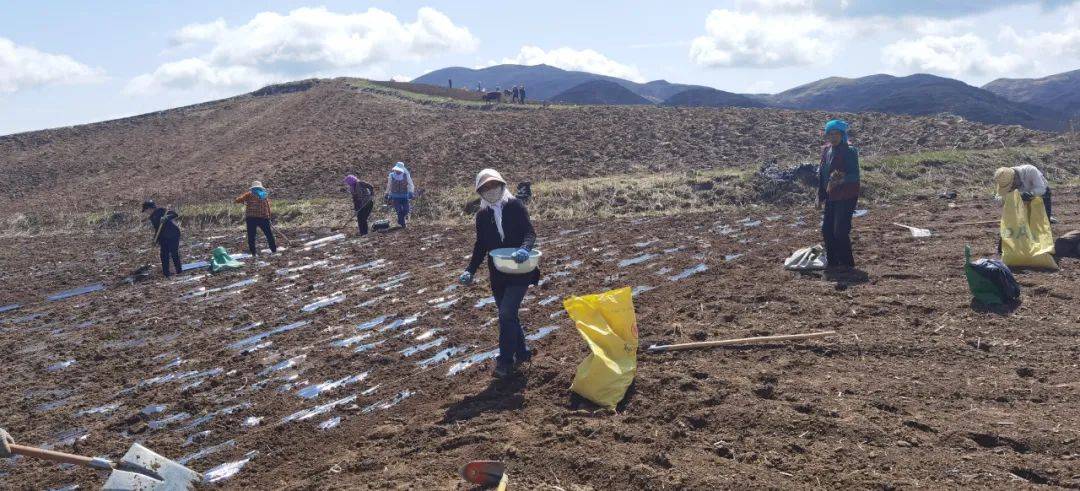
[(257, 214)]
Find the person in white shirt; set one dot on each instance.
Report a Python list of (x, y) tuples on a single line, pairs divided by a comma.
[(1027, 179)]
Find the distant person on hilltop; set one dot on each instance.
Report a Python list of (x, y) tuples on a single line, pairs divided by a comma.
[(257, 215), (838, 191), (503, 222), (400, 190), (450, 83), (362, 194), (166, 236), (514, 95), (521, 94), (1027, 179)]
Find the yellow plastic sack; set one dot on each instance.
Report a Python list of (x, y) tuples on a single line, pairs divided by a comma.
[(608, 324), (1026, 240)]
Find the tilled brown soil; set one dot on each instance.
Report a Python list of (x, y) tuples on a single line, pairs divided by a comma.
[(919, 389)]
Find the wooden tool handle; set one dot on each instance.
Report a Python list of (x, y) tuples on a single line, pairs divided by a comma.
[(726, 342), (987, 222), (60, 457)]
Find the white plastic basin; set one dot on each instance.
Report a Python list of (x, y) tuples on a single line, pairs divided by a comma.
[(506, 264)]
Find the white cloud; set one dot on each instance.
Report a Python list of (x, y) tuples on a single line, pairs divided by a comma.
[(774, 5), (195, 33), (22, 67), (751, 39), (585, 60), (198, 73), (928, 26), (1052, 47), (961, 55), (305, 42)]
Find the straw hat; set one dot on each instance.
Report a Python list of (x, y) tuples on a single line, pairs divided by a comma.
[(1004, 178)]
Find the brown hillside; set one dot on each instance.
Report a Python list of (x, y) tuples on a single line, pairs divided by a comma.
[(300, 139)]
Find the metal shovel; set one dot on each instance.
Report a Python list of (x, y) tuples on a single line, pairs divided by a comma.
[(487, 473), (916, 231), (139, 469)]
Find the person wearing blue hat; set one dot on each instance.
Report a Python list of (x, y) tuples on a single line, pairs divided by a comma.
[(503, 222), (838, 194)]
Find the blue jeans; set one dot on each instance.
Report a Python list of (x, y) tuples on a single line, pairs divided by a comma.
[(511, 335), (401, 206), (253, 227)]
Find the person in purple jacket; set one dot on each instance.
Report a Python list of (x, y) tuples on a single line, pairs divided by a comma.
[(838, 193)]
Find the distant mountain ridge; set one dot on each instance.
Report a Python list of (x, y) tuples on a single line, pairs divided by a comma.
[(709, 97), (542, 82), (1042, 104), (600, 92), (1060, 92), (917, 95)]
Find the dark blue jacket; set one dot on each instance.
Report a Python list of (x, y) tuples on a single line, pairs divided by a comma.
[(519, 233), (169, 231)]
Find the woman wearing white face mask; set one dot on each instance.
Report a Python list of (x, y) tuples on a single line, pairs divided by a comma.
[(504, 222)]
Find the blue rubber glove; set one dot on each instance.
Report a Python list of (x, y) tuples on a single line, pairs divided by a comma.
[(466, 278), (521, 255)]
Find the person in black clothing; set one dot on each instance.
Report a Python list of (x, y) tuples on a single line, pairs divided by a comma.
[(514, 97), (166, 235), (838, 194), (362, 194), (503, 222), (521, 94)]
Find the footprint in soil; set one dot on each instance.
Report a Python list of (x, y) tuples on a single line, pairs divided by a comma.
[(1033, 476), (919, 426), (767, 387), (765, 391), (689, 385), (989, 440), (660, 460), (884, 406)]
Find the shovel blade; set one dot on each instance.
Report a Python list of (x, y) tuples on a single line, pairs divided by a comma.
[(484, 472), (142, 469)]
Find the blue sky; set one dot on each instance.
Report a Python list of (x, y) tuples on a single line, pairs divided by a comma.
[(65, 63)]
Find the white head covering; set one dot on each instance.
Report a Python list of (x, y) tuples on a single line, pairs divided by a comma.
[(404, 174), (488, 175)]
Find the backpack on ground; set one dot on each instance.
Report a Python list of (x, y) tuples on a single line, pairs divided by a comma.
[(991, 282)]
